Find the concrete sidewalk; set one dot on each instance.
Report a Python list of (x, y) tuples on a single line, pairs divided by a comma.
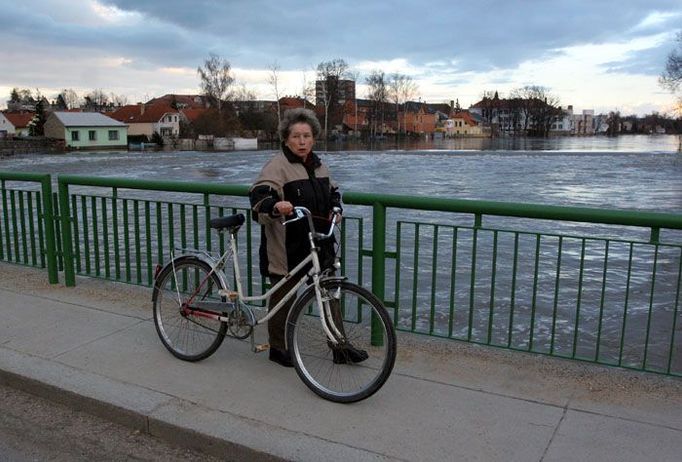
[(95, 347)]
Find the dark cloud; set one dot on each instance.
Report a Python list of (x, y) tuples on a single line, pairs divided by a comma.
[(447, 43), (647, 62), (479, 35)]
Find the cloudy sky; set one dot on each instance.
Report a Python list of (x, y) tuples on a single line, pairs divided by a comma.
[(592, 54)]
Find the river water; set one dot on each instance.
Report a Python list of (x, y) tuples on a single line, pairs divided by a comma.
[(629, 172)]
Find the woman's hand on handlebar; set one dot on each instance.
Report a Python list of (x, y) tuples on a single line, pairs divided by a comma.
[(284, 208), (336, 215)]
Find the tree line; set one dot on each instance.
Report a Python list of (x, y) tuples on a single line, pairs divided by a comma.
[(530, 110)]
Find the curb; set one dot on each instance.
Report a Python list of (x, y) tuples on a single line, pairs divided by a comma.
[(177, 421)]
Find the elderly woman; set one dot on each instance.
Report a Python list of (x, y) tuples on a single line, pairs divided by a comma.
[(293, 177)]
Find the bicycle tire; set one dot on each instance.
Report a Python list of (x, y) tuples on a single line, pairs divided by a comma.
[(330, 376), (187, 338)]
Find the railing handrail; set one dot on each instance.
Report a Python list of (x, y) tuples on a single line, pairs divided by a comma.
[(522, 210), (156, 185), (22, 176), (510, 209)]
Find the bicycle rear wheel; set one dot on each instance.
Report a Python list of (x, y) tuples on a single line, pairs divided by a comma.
[(361, 364), (186, 336)]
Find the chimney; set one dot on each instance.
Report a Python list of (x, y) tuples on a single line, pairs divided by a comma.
[(141, 108)]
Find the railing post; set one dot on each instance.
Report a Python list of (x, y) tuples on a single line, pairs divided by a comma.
[(378, 264), (50, 235), (67, 244)]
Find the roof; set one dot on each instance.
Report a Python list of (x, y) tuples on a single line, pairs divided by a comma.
[(468, 118), (192, 114), (86, 119), (133, 113), (184, 101), (19, 119), (439, 107)]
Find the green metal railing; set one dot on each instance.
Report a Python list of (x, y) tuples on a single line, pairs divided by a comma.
[(27, 231), (580, 283), (611, 300), (124, 238)]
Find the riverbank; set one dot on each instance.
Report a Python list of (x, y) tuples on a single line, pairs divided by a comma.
[(94, 347)]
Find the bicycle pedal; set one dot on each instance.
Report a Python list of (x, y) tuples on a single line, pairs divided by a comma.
[(261, 347)]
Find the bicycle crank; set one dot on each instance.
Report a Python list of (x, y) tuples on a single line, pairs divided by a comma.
[(240, 322)]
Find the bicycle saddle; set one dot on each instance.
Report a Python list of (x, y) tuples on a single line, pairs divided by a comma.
[(233, 222)]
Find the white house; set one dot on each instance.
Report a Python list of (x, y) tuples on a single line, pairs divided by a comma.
[(15, 123), (147, 119), (86, 130)]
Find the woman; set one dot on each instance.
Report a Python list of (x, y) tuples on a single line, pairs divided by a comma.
[(293, 177)]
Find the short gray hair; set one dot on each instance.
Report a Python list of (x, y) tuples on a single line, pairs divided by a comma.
[(298, 115)]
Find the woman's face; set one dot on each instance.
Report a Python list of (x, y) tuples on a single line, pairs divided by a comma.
[(300, 139)]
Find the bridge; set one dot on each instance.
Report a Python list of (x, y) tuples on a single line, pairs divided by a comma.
[(586, 284)]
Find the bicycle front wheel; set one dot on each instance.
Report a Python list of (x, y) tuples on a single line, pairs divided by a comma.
[(361, 362), (187, 336)]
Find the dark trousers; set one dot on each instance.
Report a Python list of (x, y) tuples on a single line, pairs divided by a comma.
[(277, 324)]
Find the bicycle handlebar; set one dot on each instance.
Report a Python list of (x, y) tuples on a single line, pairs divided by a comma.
[(302, 212)]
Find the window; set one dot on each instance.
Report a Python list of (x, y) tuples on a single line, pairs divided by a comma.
[(92, 135), (113, 135), (166, 131), (75, 136)]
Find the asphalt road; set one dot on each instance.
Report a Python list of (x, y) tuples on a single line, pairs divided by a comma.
[(35, 429)]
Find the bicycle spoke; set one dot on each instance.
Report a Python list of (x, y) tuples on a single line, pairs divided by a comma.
[(186, 336)]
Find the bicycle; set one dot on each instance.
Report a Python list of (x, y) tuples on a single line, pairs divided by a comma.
[(194, 310)]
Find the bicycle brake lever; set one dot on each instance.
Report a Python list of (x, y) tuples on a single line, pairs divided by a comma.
[(298, 214)]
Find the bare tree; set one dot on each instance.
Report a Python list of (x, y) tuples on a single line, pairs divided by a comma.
[(96, 100), (401, 88), (243, 93), (216, 80), (378, 95), (70, 98), (490, 101), (273, 80), (308, 89), (538, 108), (672, 76), (118, 100), (329, 73)]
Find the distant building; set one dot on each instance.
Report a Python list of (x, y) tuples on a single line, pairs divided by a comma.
[(462, 123), (15, 123), (583, 124), (182, 101), (255, 105), (418, 118), (563, 124), (150, 118), (340, 90), (292, 102), (86, 130)]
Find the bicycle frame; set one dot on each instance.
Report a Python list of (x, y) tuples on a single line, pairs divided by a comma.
[(207, 309)]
